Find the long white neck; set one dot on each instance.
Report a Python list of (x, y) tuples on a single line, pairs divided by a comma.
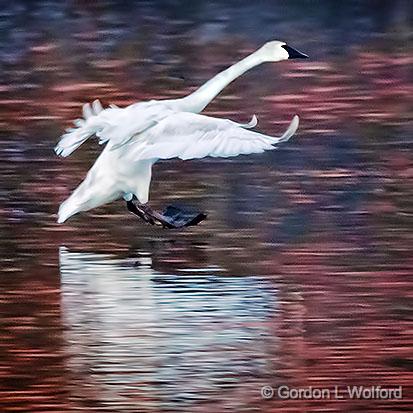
[(198, 100)]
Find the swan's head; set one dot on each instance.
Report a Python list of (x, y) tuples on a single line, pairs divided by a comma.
[(276, 51)]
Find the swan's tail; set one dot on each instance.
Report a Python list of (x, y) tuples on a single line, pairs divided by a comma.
[(66, 210), (94, 191), (75, 204), (84, 129)]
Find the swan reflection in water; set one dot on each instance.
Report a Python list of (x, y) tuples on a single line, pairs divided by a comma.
[(135, 335)]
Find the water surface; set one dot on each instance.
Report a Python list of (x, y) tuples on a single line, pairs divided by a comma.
[(300, 276)]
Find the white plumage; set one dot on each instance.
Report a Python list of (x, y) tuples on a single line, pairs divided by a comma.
[(201, 136), (140, 134), (113, 124)]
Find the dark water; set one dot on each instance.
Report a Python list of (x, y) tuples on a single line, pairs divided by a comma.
[(302, 274)]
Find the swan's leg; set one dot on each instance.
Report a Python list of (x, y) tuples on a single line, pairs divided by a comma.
[(150, 216), (157, 217), (139, 212), (172, 217), (140, 181)]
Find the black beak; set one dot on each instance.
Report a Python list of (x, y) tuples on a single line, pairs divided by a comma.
[(294, 53)]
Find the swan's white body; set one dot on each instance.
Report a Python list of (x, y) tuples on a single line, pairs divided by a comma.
[(140, 134)]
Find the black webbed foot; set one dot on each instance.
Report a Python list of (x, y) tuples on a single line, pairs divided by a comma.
[(172, 216), (183, 217)]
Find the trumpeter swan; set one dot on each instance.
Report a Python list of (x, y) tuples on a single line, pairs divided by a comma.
[(142, 133)]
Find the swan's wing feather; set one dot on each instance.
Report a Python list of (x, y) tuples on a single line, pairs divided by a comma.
[(130, 122), (114, 125), (251, 124), (192, 136)]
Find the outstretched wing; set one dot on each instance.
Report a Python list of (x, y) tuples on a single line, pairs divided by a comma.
[(192, 136), (114, 125)]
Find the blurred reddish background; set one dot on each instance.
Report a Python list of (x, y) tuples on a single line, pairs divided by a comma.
[(325, 222)]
